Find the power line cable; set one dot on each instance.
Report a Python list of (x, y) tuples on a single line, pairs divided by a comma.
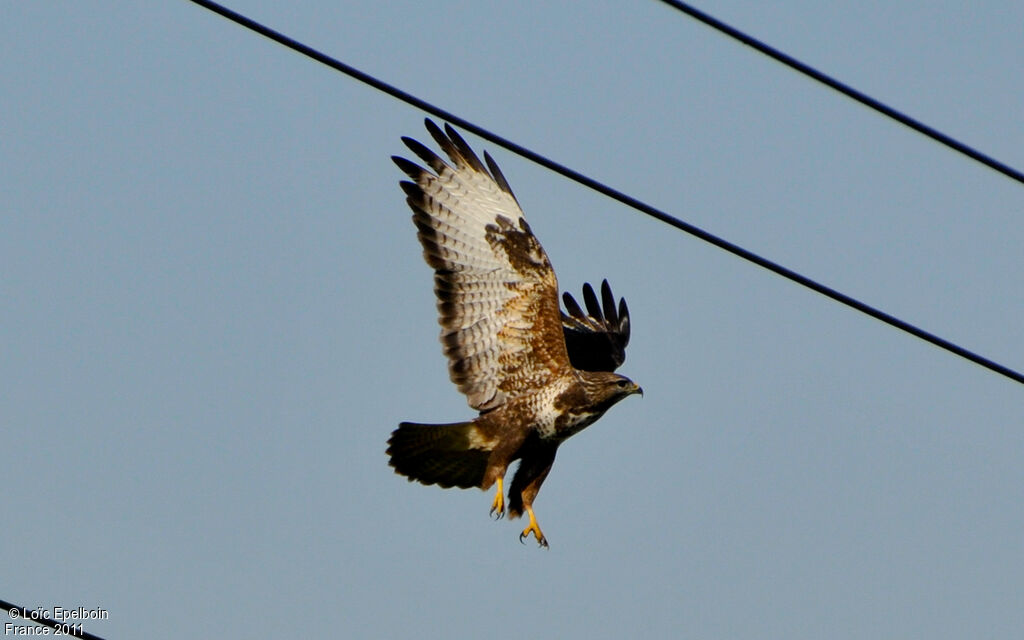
[(35, 616), (846, 90), (612, 193)]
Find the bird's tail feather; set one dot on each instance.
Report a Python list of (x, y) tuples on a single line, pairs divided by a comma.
[(445, 454)]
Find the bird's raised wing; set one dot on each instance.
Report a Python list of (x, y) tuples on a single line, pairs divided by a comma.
[(496, 291), (596, 340)]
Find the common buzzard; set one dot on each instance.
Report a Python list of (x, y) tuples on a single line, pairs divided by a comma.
[(537, 376)]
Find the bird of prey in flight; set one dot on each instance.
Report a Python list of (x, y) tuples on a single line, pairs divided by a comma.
[(535, 374)]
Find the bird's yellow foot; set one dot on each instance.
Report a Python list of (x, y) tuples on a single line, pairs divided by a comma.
[(534, 528), (498, 506)]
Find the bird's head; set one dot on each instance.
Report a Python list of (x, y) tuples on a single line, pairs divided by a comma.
[(605, 388)]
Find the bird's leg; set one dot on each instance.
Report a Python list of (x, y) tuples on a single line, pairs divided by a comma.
[(498, 506), (534, 528)]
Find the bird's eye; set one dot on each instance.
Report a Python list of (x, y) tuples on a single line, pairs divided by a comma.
[(622, 384)]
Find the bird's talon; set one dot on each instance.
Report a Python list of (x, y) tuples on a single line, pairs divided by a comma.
[(541, 540), (498, 506), (534, 528)]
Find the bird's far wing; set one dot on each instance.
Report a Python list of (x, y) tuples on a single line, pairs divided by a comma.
[(596, 339), (496, 291)]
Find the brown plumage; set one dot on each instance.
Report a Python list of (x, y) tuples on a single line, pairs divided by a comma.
[(503, 334)]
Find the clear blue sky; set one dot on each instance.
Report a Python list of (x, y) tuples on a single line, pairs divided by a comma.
[(214, 311)]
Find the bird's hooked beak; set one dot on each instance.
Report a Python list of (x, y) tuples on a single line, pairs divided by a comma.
[(637, 389)]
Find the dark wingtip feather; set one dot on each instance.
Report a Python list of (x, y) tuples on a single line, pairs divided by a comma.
[(433, 129), (465, 150), (590, 299), (608, 302), (445, 143), (408, 167), (624, 321), (424, 153), (412, 190), (498, 176), (572, 306)]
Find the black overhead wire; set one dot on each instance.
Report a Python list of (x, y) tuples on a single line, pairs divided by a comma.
[(610, 192), (847, 90)]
